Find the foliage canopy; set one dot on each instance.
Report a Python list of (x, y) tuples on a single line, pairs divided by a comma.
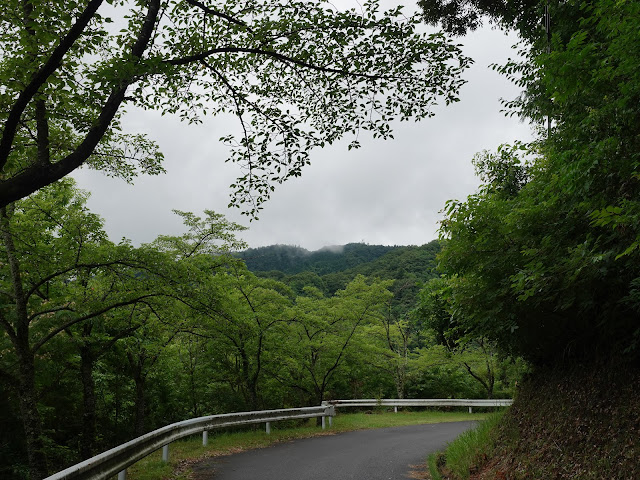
[(296, 74)]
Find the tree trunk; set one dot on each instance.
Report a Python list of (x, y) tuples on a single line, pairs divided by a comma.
[(400, 384), (87, 445), (31, 418), (19, 335), (141, 406)]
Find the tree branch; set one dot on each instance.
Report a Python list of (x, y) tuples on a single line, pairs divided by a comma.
[(89, 316), (269, 53), (50, 277), (37, 176), (217, 13), (40, 77)]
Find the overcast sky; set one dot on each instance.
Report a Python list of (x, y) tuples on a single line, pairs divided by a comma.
[(387, 192)]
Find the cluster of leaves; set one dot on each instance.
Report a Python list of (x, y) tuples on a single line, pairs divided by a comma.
[(461, 16)]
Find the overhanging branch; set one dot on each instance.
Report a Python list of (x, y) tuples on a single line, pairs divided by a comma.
[(269, 53), (217, 13), (40, 77)]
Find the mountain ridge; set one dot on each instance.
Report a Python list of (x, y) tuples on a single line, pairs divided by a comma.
[(291, 259)]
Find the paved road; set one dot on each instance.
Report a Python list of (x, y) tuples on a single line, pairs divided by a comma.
[(380, 454)]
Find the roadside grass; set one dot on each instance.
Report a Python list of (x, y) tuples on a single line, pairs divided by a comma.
[(463, 454), (184, 453)]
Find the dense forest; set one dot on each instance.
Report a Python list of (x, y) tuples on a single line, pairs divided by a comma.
[(290, 259), (104, 342)]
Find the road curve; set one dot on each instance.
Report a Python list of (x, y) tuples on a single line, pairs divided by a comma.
[(379, 454)]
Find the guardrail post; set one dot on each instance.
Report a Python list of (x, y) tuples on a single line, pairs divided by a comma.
[(268, 428), (205, 438), (330, 422), (122, 475), (165, 453), (395, 409), (470, 409), (323, 422)]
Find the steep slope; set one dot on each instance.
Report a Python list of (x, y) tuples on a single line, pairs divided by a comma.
[(572, 423)]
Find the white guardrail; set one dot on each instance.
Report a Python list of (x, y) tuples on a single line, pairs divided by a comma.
[(119, 458), (422, 402), (116, 460)]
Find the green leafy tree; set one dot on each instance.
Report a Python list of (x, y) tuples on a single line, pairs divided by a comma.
[(325, 330), (59, 271), (548, 269), (92, 340), (477, 355), (143, 350), (68, 290), (242, 318), (398, 337), (460, 16), (296, 74)]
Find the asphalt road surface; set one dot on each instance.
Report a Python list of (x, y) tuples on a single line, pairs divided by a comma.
[(380, 454)]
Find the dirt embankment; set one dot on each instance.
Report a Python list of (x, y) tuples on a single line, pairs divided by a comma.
[(581, 422)]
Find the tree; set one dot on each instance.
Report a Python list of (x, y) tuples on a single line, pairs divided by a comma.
[(325, 330), (92, 340), (55, 263), (548, 269), (296, 74), (475, 354), (398, 336), (143, 349), (61, 278), (245, 328)]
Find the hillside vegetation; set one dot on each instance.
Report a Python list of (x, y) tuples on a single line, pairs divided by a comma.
[(543, 260), (105, 342), (331, 269), (580, 422), (291, 259)]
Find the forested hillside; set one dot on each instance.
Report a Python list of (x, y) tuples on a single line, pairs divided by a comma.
[(408, 266), (290, 259)]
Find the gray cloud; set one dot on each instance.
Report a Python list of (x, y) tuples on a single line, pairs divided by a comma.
[(387, 192)]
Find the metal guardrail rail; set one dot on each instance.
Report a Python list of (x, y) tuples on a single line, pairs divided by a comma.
[(116, 460), (421, 402)]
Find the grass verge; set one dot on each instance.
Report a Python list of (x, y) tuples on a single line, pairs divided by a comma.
[(183, 454), (463, 454)]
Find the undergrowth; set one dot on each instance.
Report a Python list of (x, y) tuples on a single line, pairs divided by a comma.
[(463, 454)]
